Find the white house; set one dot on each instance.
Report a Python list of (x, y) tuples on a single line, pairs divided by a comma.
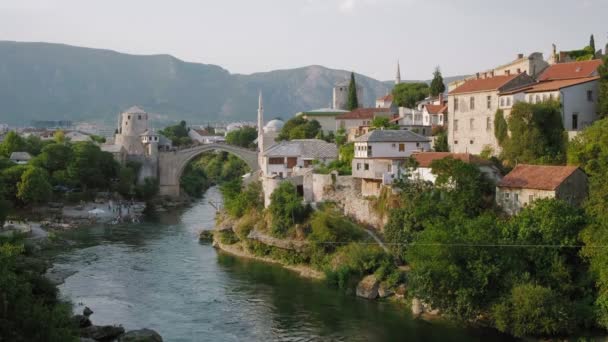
[(379, 155), (425, 159), (283, 158), (204, 137)]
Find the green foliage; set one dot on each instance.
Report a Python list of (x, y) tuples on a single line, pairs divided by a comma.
[(585, 54), (91, 167), (227, 237), (34, 187), (407, 94), (178, 134), (286, 209), (11, 178), (352, 102), (592, 43), (441, 142), (98, 139), (532, 310), (603, 88), (437, 86), (341, 137), (328, 227), (299, 128), (31, 310), (12, 143), (344, 163), (354, 261), (383, 122), (501, 130), (537, 134), (239, 200), (54, 157), (149, 189), (242, 137), (209, 169)]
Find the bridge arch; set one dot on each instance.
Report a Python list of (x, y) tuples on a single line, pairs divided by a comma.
[(171, 164)]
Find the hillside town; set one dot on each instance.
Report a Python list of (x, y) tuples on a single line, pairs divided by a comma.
[(408, 198)]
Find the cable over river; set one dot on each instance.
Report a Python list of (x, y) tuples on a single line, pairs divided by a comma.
[(157, 275)]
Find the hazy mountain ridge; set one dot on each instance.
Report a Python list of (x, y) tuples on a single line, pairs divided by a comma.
[(44, 81)]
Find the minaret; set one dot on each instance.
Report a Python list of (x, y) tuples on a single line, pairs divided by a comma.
[(260, 130), (398, 76)]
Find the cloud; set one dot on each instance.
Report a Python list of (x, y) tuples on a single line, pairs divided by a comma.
[(346, 6), (342, 6)]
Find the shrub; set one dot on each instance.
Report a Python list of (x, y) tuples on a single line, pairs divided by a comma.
[(286, 209)]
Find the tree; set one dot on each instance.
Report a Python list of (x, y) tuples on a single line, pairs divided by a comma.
[(86, 168), (437, 85), (500, 127), (299, 128), (603, 88), (407, 94), (352, 102), (12, 143), (34, 186), (59, 137), (286, 209), (537, 134), (11, 177), (441, 142), (242, 137), (54, 157), (383, 122), (592, 43), (178, 134)]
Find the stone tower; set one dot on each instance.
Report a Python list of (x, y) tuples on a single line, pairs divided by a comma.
[(260, 130), (398, 76), (133, 123)]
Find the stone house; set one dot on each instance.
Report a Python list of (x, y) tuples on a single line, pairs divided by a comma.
[(425, 159), (282, 159), (527, 183), (358, 121), (471, 109), (380, 154)]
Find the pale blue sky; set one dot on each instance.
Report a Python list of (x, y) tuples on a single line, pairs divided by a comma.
[(367, 36)]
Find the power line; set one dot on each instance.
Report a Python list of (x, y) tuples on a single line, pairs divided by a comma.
[(462, 244)]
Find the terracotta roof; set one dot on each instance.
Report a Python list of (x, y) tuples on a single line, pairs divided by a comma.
[(362, 113), (540, 177), (570, 70), (483, 84), (559, 84), (436, 109), (388, 97), (425, 159), (391, 135)]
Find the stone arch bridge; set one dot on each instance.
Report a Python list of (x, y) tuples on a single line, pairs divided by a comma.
[(171, 164)]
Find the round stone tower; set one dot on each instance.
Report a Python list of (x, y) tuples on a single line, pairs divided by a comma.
[(133, 123)]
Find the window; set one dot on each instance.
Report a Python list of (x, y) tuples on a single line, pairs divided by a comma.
[(545, 97), (551, 97), (455, 125), (537, 99), (358, 166), (488, 124), (455, 104), (401, 147), (507, 72), (530, 198), (394, 145), (589, 95), (128, 117), (471, 124), (502, 101), (489, 101), (275, 161), (518, 70), (575, 121), (455, 142), (390, 168), (139, 117), (366, 166), (472, 103), (508, 101), (418, 144), (471, 142)]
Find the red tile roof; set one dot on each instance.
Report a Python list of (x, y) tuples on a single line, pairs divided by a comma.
[(483, 84), (540, 177), (424, 159), (550, 85), (436, 109), (570, 70), (388, 97), (362, 113)]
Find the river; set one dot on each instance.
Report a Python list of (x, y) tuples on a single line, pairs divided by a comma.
[(157, 275)]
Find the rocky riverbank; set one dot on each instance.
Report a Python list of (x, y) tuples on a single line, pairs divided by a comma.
[(108, 333)]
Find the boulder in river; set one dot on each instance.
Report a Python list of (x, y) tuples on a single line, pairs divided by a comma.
[(87, 311), (102, 332), (81, 321), (368, 287), (205, 236), (384, 291), (142, 335)]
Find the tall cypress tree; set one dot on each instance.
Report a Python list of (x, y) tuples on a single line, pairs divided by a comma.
[(353, 102), (437, 86), (592, 44)]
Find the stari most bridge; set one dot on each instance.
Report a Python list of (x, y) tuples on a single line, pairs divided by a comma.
[(171, 164)]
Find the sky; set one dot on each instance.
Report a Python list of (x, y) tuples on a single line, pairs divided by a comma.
[(365, 36)]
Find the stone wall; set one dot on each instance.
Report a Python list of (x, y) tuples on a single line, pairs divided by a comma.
[(345, 191)]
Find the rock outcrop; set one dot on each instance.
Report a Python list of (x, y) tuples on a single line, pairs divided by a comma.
[(107, 333), (142, 335), (368, 287)]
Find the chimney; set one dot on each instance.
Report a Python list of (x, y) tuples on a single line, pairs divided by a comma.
[(492, 73), (477, 75), (440, 99), (520, 55)]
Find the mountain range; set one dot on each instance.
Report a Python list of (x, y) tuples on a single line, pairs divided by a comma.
[(44, 81)]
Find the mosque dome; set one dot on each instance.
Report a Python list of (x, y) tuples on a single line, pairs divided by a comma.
[(273, 126)]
